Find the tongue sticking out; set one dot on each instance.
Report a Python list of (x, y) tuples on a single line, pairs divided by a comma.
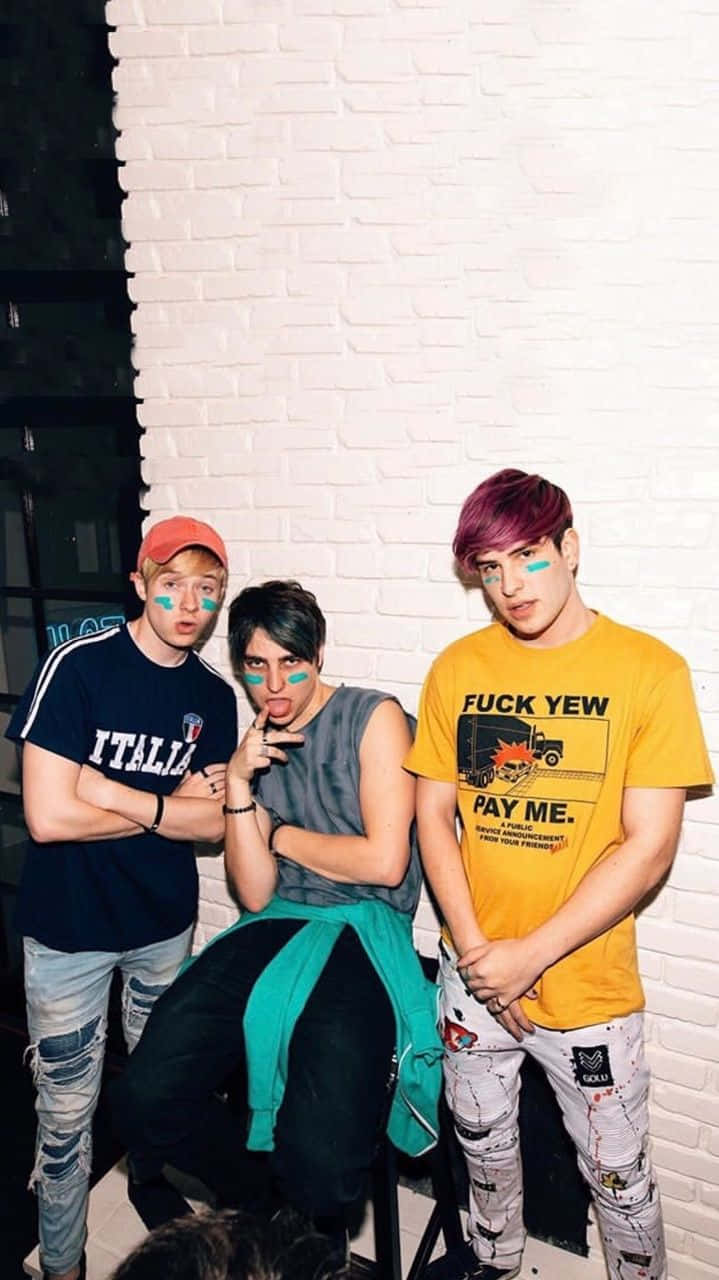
[(278, 708)]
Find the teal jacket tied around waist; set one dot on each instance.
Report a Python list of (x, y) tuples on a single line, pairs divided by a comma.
[(283, 988)]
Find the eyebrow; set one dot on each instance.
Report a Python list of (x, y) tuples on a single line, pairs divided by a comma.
[(214, 574), (481, 564), (177, 572), (258, 657)]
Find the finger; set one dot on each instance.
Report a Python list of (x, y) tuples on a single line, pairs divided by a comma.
[(278, 735), (511, 1025), (520, 1017), (268, 753), (524, 1022), (479, 990), (261, 718)]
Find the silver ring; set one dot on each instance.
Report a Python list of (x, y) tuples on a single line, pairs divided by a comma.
[(213, 788)]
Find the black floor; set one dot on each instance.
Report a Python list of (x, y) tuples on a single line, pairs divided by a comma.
[(18, 1215)]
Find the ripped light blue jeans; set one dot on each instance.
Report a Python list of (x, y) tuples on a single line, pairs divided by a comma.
[(67, 996)]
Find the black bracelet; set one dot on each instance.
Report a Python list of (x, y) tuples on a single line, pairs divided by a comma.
[(158, 813), (245, 808)]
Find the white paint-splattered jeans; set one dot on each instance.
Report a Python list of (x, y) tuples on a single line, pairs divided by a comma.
[(600, 1080), (67, 995)]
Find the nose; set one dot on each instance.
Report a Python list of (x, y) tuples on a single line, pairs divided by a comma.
[(275, 679), (190, 600), (511, 579)]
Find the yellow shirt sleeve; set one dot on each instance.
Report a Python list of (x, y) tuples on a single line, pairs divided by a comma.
[(668, 748), (434, 752)]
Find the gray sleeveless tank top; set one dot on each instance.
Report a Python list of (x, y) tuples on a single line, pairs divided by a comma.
[(318, 789)]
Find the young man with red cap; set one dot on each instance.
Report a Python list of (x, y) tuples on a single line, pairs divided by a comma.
[(125, 735)]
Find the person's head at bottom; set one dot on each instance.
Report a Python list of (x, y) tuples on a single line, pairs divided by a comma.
[(230, 1245)]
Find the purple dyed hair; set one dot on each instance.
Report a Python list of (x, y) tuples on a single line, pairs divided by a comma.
[(509, 507)]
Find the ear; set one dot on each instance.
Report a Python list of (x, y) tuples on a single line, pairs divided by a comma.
[(569, 549), (320, 657), (140, 586)]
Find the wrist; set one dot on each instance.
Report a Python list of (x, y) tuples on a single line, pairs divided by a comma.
[(238, 791), (470, 944), (538, 945), (466, 937), (159, 808)]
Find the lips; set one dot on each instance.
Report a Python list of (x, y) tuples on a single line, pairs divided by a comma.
[(521, 610)]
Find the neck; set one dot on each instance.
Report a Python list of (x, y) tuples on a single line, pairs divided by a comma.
[(324, 693), (150, 644)]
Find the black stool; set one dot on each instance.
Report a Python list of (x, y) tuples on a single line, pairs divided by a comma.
[(385, 1203)]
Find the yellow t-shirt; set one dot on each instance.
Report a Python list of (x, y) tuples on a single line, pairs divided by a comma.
[(541, 744)]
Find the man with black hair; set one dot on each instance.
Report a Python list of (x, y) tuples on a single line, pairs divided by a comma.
[(318, 986)]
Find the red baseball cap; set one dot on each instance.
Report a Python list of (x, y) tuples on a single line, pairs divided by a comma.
[(166, 538)]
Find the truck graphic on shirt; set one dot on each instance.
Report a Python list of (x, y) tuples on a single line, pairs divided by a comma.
[(505, 747)]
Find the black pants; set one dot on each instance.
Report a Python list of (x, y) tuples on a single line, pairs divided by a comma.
[(166, 1103)]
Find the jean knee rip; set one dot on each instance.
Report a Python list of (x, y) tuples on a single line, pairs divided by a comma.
[(138, 998), (67, 1058), (61, 1065), (61, 1158)]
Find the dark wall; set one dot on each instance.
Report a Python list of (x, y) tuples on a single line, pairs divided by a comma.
[(69, 455)]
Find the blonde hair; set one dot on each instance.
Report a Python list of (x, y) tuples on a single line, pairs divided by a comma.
[(199, 558)]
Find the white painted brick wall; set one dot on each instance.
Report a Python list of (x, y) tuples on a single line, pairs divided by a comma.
[(384, 247)]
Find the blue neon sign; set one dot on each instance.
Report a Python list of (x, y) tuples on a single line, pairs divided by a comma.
[(59, 632)]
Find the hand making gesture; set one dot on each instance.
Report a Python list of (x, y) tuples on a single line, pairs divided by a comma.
[(260, 747)]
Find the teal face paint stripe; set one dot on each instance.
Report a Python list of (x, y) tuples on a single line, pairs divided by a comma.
[(297, 677), (165, 601), (210, 606), (488, 581), (249, 678), (538, 564)]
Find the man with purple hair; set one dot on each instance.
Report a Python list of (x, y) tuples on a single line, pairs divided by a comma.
[(553, 734)]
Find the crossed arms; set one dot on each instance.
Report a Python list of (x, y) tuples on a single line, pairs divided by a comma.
[(380, 856), (506, 968), (64, 800)]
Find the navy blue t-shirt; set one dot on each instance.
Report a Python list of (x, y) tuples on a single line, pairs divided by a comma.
[(98, 700)]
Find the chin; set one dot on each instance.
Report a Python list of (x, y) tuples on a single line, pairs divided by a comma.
[(528, 630)]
